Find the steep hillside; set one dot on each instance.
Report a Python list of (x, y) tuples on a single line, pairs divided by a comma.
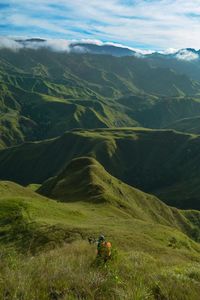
[(156, 161)]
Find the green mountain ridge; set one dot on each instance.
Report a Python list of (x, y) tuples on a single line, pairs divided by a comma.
[(162, 162)]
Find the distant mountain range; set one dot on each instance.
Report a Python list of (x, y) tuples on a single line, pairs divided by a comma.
[(93, 47)]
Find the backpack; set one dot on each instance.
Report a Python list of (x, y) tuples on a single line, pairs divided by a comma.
[(104, 249)]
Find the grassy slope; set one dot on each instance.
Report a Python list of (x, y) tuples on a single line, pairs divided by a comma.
[(158, 161), (144, 232)]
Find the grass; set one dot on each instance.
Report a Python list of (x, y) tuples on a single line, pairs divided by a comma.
[(71, 272)]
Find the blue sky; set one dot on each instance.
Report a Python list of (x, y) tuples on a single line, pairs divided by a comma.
[(146, 24)]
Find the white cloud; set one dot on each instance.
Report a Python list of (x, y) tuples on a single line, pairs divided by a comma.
[(186, 55), (59, 45), (9, 43), (169, 51), (89, 41), (100, 43)]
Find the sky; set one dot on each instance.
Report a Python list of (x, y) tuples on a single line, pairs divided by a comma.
[(144, 24)]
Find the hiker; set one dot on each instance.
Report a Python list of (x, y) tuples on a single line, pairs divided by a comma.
[(103, 249)]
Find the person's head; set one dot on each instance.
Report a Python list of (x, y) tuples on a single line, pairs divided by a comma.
[(101, 238)]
